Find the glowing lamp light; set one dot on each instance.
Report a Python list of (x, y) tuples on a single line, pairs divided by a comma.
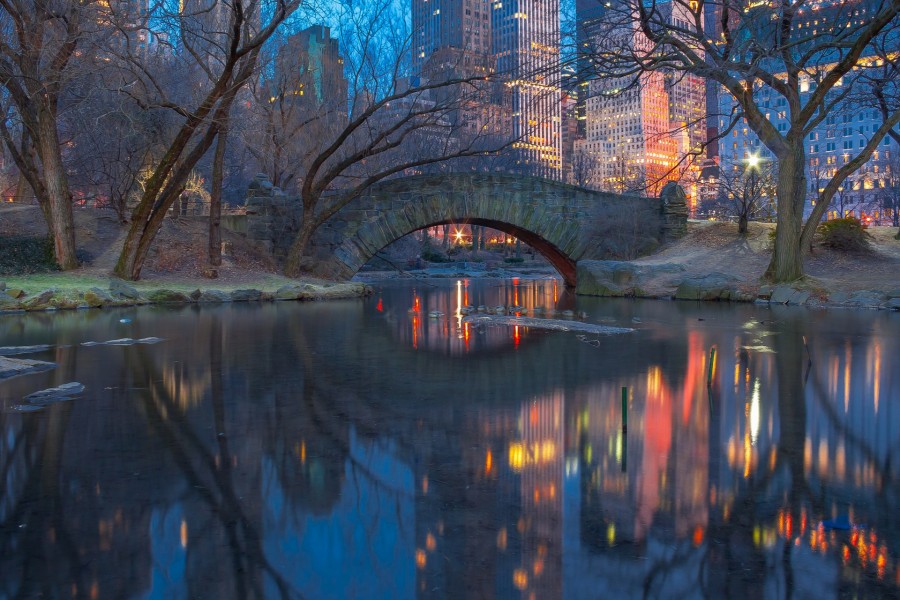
[(753, 161)]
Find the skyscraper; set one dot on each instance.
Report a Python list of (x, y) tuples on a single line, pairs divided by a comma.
[(312, 62), (526, 43), (453, 30), (519, 40), (641, 133), (588, 19)]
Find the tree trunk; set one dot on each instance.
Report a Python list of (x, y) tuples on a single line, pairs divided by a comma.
[(23, 192), (742, 223), (446, 241), (59, 204), (215, 199), (294, 261), (787, 259)]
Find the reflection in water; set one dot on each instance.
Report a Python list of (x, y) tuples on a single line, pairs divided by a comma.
[(435, 321), (379, 449)]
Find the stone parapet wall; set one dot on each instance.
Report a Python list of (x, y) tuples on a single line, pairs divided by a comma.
[(272, 218), (563, 222)]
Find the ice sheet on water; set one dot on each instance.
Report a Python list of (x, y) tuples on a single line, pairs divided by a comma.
[(551, 324), (39, 400), (124, 342), (14, 350), (65, 391)]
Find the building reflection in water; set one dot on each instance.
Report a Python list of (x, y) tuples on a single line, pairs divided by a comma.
[(222, 477), (435, 321)]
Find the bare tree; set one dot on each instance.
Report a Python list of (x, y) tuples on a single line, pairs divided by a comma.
[(884, 77), (300, 100), (38, 44), (396, 124), (112, 142), (890, 194), (768, 47), (584, 166), (220, 40), (748, 193)]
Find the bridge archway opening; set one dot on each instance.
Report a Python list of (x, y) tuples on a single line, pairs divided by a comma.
[(563, 265)]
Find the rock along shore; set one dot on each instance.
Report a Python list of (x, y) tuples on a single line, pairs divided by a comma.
[(620, 279), (120, 293)]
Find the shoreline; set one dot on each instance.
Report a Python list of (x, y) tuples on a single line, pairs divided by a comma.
[(118, 293), (606, 279)]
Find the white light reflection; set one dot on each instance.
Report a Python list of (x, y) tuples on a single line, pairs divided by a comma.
[(572, 466), (754, 413), (459, 315)]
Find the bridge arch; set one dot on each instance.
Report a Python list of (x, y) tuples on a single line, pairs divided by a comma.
[(372, 237), (565, 223)]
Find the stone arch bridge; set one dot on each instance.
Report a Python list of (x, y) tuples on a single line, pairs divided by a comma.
[(566, 224)]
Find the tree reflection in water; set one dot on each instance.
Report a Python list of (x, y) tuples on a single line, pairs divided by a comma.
[(287, 450)]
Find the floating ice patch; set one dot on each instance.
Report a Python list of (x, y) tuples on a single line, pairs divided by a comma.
[(10, 367), (551, 324), (42, 399), (13, 350), (758, 349), (66, 391), (25, 408), (124, 342)]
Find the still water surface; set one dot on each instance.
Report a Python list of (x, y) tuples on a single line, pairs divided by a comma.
[(364, 449)]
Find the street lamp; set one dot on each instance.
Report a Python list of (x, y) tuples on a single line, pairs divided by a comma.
[(753, 161), (750, 192)]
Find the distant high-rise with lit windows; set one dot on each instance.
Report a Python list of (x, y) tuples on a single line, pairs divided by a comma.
[(870, 193), (526, 43), (518, 40), (641, 134), (311, 60)]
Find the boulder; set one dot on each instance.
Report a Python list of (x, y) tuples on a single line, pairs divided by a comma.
[(167, 297), (858, 299), (214, 297), (7, 301), (287, 292), (195, 295), (781, 294), (602, 277), (618, 278), (715, 286), (96, 297), (120, 288), (249, 295), (66, 302), (39, 302), (866, 299)]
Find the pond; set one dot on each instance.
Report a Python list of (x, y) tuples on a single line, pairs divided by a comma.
[(395, 447)]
